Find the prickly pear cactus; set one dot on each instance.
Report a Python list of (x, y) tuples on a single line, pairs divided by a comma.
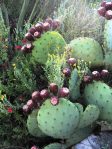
[(50, 42), (55, 146), (58, 121), (89, 116), (108, 36), (100, 94), (32, 125), (79, 135), (74, 85), (108, 44), (88, 50)]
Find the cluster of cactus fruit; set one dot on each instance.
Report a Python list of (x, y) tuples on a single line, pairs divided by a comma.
[(96, 75), (54, 112), (37, 98), (106, 10)]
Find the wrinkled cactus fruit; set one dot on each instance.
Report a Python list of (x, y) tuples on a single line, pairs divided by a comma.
[(58, 121), (88, 50), (100, 94), (32, 125)]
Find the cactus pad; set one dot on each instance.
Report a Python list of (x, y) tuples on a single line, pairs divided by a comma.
[(88, 50), (58, 121), (32, 125), (78, 136), (50, 42), (74, 85), (89, 116), (55, 146), (100, 94)]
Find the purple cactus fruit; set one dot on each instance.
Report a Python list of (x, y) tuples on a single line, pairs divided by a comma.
[(71, 61), (32, 30), (54, 101), (29, 36), (29, 47), (67, 72), (25, 109), (39, 27), (34, 147), (37, 34), (87, 79), (104, 73), (44, 94), (46, 26), (96, 75), (36, 96), (49, 20), (102, 11), (108, 5), (53, 88), (108, 15), (24, 49), (103, 3), (55, 24), (63, 92), (30, 103)]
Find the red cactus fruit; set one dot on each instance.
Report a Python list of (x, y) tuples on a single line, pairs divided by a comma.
[(104, 73), (71, 61), (34, 147), (44, 94), (103, 3), (54, 101), (63, 92), (53, 88), (25, 109), (102, 11), (36, 96), (67, 72), (32, 30), (108, 15), (46, 26), (49, 20), (87, 79), (108, 5), (55, 24), (39, 27), (96, 75), (29, 47), (30, 103), (29, 36), (37, 34), (24, 49)]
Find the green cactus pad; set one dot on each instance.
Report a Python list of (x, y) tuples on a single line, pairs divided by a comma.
[(100, 94), (80, 108), (74, 85), (108, 36), (108, 44), (32, 125), (58, 121), (50, 42), (55, 146), (89, 116), (79, 135), (88, 50)]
